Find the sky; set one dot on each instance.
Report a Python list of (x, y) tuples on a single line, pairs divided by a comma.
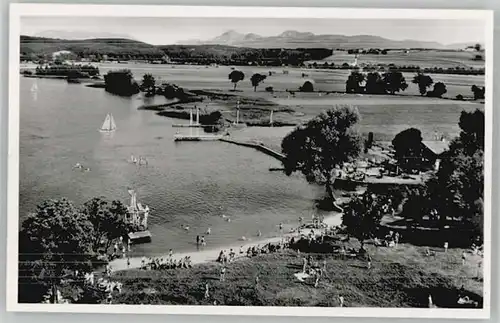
[(166, 31)]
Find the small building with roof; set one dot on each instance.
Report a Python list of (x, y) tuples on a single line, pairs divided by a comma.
[(434, 149)]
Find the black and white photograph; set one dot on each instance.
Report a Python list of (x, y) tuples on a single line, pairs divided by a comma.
[(250, 160)]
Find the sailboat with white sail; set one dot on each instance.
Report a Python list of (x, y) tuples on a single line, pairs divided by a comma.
[(109, 124)]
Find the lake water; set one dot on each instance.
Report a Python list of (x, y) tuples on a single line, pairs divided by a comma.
[(187, 183)]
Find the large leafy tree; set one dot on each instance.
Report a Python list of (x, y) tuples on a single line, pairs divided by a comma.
[(148, 83), (438, 91), (374, 84), (53, 241), (108, 220), (324, 143), (256, 79), (408, 149), (478, 92), (458, 186), (353, 83), (394, 81), (236, 76), (121, 82), (423, 81), (362, 216), (416, 205)]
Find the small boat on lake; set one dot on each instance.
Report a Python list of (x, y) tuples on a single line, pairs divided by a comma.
[(109, 124)]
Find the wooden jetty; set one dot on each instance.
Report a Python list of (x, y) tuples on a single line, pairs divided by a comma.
[(258, 146)]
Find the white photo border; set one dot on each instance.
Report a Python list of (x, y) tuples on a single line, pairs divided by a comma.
[(19, 10)]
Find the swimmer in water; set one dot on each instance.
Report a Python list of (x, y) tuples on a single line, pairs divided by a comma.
[(259, 233), (209, 230)]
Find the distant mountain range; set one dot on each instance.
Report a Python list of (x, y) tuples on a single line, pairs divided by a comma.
[(296, 39), (79, 35)]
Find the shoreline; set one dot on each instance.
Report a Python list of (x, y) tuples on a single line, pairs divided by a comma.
[(206, 255)]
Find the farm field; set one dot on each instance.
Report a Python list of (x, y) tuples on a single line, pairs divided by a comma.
[(202, 77), (210, 77), (424, 59)]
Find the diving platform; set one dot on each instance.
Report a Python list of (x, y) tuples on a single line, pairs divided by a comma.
[(140, 237)]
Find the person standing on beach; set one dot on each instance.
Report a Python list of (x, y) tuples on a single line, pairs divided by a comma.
[(318, 275), (207, 294), (369, 259), (341, 300), (203, 243), (446, 247), (170, 253), (464, 256), (197, 240), (256, 280), (223, 274), (304, 266)]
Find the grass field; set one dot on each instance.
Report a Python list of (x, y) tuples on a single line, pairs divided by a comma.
[(400, 277), (213, 78), (385, 116), (424, 59)]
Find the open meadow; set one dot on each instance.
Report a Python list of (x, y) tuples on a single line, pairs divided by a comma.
[(401, 276)]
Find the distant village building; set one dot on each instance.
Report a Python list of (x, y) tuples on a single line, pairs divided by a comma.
[(434, 149), (355, 62), (64, 56), (61, 53)]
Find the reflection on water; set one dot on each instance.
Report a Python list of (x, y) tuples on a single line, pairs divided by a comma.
[(187, 183)]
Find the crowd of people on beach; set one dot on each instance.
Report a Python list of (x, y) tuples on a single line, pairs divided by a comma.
[(161, 263)]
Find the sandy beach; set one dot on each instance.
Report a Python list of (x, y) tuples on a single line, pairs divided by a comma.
[(207, 254)]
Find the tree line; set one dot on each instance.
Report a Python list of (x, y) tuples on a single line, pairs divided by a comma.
[(458, 70), (71, 71), (60, 238), (393, 81)]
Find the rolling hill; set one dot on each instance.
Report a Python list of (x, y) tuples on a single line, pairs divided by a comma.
[(84, 47)]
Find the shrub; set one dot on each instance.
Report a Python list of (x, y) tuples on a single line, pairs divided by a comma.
[(307, 87), (460, 97), (269, 89), (121, 82)]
